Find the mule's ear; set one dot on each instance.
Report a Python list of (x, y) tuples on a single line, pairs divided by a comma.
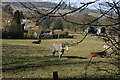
[(63, 44)]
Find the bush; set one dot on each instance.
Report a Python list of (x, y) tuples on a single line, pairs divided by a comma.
[(28, 36), (65, 33), (5, 34), (55, 36), (45, 31), (70, 36)]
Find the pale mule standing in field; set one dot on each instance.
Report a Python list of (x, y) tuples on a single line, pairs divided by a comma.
[(59, 47)]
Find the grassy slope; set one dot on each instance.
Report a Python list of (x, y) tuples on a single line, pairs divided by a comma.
[(22, 59)]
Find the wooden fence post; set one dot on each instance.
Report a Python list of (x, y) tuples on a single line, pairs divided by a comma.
[(55, 75)]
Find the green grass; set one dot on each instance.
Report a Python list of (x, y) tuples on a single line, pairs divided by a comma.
[(22, 59)]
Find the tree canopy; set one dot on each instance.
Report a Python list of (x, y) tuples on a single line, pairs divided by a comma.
[(58, 25)]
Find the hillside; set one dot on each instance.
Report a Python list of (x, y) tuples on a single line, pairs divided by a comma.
[(47, 6), (37, 4)]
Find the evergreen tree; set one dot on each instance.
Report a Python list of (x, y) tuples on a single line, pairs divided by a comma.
[(21, 15), (17, 17), (18, 29), (15, 30)]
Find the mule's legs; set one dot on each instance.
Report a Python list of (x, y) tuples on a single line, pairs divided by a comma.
[(60, 54), (53, 53)]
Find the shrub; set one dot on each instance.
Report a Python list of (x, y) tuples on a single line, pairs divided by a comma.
[(45, 31), (55, 36), (28, 36), (65, 34), (70, 36), (5, 34)]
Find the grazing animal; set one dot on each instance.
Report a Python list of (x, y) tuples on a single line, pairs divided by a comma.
[(59, 47), (36, 42), (99, 54)]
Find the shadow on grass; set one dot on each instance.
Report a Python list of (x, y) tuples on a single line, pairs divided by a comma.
[(70, 57), (39, 64), (75, 57), (102, 78), (46, 62)]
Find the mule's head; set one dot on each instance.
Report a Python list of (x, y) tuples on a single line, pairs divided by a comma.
[(65, 46)]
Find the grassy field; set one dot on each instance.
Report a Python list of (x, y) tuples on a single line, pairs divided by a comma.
[(22, 59)]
